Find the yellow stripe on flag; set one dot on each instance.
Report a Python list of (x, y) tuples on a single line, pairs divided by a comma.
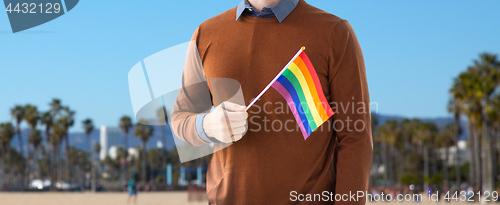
[(317, 102), (305, 88)]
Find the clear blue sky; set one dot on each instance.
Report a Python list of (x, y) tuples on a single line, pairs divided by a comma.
[(412, 50)]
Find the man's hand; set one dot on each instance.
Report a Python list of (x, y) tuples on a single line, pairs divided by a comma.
[(215, 124)]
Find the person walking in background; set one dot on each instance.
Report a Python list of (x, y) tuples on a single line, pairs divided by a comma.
[(132, 188)]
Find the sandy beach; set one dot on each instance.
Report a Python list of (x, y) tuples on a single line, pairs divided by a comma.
[(150, 198), (49, 198)]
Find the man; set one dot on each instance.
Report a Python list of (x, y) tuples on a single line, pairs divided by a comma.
[(269, 162)]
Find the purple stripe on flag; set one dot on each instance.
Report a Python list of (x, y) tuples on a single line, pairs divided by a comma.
[(277, 85)]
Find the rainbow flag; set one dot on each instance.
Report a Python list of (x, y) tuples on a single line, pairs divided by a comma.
[(299, 84)]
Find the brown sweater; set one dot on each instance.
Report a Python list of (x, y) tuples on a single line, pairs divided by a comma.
[(268, 163)]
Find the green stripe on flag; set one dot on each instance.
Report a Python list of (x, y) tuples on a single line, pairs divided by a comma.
[(303, 102)]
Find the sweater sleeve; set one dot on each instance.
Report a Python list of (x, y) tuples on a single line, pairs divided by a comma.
[(348, 87), (194, 98)]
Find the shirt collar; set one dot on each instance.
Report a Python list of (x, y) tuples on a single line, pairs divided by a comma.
[(281, 10)]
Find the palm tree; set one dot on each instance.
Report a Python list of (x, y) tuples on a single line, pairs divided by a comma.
[(472, 92), (43, 163), (377, 148), (31, 116), (423, 135), (88, 127), (488, 68), (162, 118), (47, 119), (55, 107), (445, 139), (7, 132), (55, 138), (68, 120), (59, 119), (60, 131), (388, 135), (163, 121), (97, 150), (408, 129), (494, 116), (35, 139), (143, 132), (454, 107), (125, 124), (464, 100), (17, 114)]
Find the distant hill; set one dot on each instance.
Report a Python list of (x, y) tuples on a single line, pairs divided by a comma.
[(439, 121), (78, 139)]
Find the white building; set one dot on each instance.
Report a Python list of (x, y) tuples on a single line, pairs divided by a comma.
[(110, 136), (462, 152)]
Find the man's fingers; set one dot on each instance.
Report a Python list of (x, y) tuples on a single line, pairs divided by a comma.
[(239, 130), (237, 137), (227, 123), (225, 137), (237, 116), (239, 123), (229, 106)]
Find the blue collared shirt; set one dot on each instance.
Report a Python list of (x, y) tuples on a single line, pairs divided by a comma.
[(280, 11)]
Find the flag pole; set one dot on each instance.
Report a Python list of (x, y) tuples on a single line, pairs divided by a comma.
[(275, 78)]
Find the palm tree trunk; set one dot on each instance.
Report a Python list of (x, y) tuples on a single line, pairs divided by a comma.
[(89, 147), (445, 167), (11, 163), (68, 165), (390, 170), (457, 154), (21, 150), (486, 155), (2, 166), (493, 153), (94, 177), (35, 163), (477, 159), (29, 167), (164, 139), (53, 173), (50, 152), (89, 156), (144, 174), (497, 148), (386, 163), (59, 163), (126, 163), (472, 153), (458, 176), (426, 168), (434, 157), (401, 168)]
